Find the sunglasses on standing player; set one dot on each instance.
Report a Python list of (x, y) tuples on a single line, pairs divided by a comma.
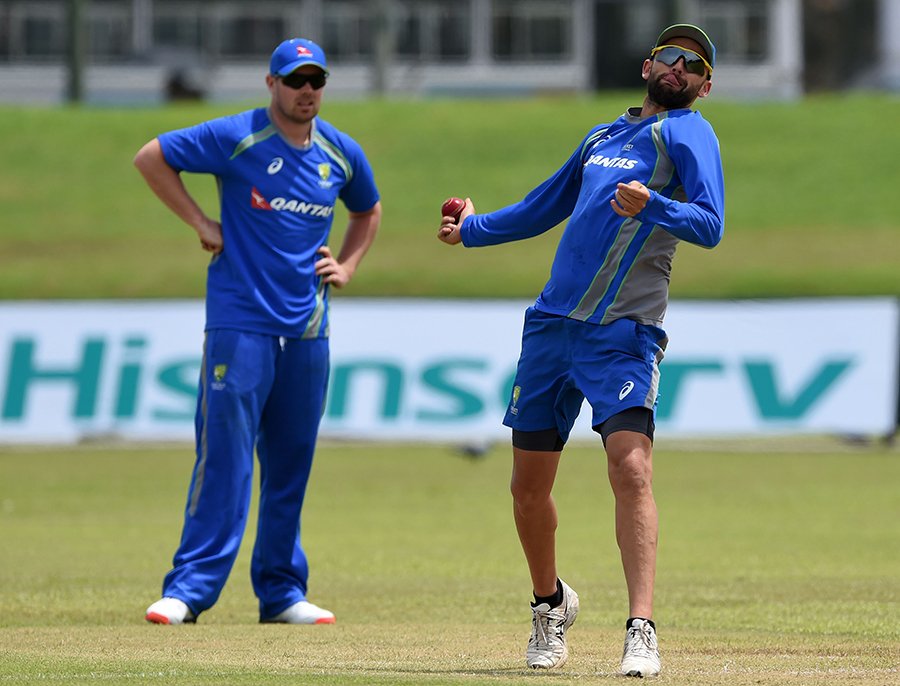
[(694, 62), (297, 80)]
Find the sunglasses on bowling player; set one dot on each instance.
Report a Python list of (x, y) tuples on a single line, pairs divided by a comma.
[(694, 62), (297, 80)]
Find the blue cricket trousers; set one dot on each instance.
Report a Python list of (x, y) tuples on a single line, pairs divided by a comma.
[(257, 391)]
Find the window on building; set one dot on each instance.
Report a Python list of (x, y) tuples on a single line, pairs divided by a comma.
[(347, 30), (43, 37), (531, 30), (432, 30), (740, 28), (5, 47), (229, 30), (109, 30), (37, 30), (246, 35), (178, 25)]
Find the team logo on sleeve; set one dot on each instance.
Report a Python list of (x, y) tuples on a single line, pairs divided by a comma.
[(275, 166), (324, 174)]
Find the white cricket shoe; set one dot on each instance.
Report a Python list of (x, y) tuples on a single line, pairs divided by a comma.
[(303, 612), (641, 654), (547, 646), (170, 611)]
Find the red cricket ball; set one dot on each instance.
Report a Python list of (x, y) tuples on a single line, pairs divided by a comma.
[(453, 207)]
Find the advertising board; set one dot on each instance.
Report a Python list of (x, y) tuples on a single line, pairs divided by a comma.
[(442, 369)]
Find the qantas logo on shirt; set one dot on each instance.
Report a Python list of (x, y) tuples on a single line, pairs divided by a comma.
[(615, 162), (259, 202)]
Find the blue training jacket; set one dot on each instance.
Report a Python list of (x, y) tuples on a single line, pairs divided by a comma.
[(609, 267)]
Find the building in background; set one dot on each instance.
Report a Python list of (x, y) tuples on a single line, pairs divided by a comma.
[(141, 51)]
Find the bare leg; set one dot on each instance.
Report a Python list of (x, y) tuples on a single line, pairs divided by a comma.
[(630, 462), (533, 475)]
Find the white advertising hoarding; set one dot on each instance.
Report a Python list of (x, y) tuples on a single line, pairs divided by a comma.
[(441, 369)]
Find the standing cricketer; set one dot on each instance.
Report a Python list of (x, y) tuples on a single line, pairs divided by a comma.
[(280, 172)]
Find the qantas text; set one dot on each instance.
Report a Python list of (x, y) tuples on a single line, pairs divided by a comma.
[(617, 162)]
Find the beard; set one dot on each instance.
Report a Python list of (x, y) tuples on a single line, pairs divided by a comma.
[(292, 112), (668, 98)]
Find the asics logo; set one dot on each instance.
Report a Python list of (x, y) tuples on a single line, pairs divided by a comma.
[(626, 389), (275, 166), (600, 140), (614, 162)]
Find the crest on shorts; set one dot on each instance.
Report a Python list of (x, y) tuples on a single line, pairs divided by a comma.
[(517, 390)]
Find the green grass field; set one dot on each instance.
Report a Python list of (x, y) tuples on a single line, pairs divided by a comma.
[(776, 567), (806, 212)]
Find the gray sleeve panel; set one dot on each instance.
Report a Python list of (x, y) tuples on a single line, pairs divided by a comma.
[(608, 270), (644, 294)]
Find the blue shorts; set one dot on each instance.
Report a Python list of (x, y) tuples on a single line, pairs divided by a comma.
[(614, 366)]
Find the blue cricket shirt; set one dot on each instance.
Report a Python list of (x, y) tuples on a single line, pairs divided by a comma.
[(609, 267), (277, 204)]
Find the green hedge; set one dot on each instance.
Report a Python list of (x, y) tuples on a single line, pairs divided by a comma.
[(810, 197)]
